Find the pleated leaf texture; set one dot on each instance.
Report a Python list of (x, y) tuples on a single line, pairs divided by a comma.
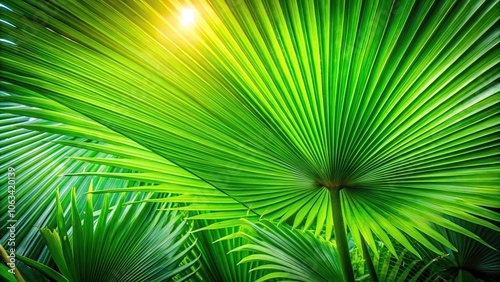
[(276, 103), (115, 244)]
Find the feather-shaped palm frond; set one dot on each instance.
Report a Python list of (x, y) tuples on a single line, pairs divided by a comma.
[(403, 267)]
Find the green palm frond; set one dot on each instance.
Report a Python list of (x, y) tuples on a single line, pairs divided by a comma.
[(134, 162), (301, 256), (151, 245), (39, 160), (472, 261), (385, 112), (403, 267), (261, 91), (217, 262), (288, 254)]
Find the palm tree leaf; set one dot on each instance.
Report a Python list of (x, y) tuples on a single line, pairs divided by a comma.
[(154, 168), (287, 253), (90, 251), (5, 274), (471, 261), (270, 102), (43, 268), (217, 261), (39, 161)]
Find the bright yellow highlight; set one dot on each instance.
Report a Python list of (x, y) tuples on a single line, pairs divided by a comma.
[(188, 16)]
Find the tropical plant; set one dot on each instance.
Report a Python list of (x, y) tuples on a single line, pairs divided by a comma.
[(375, 120), (472, 261), (290, 255), (126, 243), (299, 256), (217, 261), (42, 159)]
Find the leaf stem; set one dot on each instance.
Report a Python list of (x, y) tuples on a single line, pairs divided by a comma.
[(368, 260), (340, 235), (6, 258)]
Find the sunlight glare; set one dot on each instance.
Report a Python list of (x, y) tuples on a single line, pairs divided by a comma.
[(188, 16)]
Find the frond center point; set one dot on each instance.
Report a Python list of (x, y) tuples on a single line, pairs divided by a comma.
[(337, 185)]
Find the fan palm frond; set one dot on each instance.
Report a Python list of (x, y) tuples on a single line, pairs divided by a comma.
[(151, 244), (471, 261), (217, 261), (288, 254), (301, 256), (131, 161), (383, 113), (38, 161)]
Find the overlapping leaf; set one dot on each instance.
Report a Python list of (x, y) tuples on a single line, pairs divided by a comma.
[(138, 233), (471, 261), (135, 163), (300, 256), (288, 254), (217, 262), (38, 162)]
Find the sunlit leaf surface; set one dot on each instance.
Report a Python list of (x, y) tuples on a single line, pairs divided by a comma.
[(272, 103)]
